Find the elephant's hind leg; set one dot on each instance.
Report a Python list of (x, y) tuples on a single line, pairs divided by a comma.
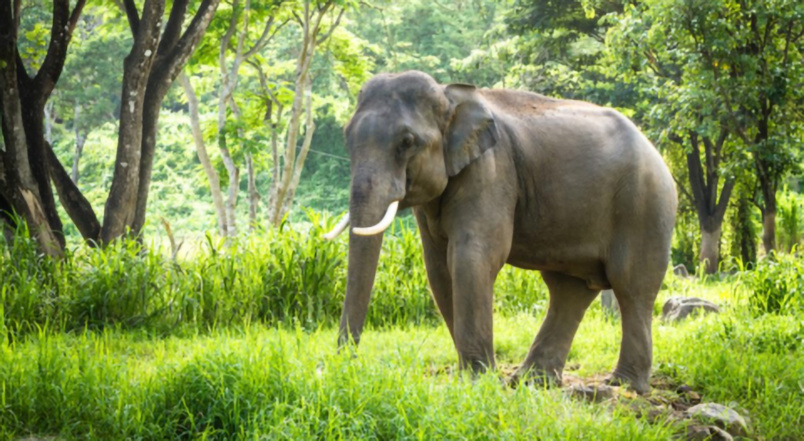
[(569, 299), (636, 284)]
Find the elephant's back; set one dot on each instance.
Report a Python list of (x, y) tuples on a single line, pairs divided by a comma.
[(585, 172)]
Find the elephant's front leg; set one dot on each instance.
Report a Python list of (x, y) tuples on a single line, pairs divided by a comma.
[(435, 262), (474, 260)]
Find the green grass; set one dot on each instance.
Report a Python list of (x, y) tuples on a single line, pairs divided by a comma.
[(253, 381), (239, 343)]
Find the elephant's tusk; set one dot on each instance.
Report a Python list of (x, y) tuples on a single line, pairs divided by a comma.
[(338, 228), (384, 223)]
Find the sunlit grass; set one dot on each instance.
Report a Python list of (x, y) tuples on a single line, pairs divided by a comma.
[(251, 381), (238, 342)]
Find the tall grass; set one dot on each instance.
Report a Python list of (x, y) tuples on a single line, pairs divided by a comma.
[(259, 383), (285, 276), (791, 221)]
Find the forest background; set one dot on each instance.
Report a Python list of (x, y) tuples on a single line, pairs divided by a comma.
[(250, 134)]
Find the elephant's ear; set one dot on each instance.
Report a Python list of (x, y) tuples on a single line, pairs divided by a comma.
[(471, 129)]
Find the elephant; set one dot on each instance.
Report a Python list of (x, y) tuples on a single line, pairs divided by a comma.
[(495, 176)]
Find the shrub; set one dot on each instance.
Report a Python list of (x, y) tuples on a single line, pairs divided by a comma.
[(288, 276), (776, 285)]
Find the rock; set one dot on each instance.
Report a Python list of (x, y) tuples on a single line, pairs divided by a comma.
[(594, 393), (680, 270), (609, 302), (708, 433), (678, 308), (724, 417), (687, 391)]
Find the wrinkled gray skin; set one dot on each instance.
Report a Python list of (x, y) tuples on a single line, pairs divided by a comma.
[(499, 176)]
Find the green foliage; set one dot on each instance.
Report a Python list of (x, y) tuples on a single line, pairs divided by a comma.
[(777, 285), (286, 276), (686, 240), (743, 228), (791, 220)]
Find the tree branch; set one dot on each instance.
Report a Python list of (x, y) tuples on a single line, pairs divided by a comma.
[(265, 37), (133, 17), (332, 28), (725, 195), (75, 204), (227, 37), (60, 34), (172, 32), (696, 178), (181, 52)]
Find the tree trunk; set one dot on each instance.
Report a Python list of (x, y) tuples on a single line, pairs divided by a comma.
[(20, 188), (769, 229), (744, 243), (298, 167), (156, 59), (154, 95), (122, 201), (709, 206), (710, 248), (173, 53), (203, 156), (49, 122), (289, 154), (234, 186), (284, 185), (33, 110), (80, 139), (253, 194)]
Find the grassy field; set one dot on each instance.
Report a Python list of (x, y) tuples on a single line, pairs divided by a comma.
[(262, 378)]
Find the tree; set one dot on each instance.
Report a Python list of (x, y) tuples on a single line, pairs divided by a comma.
[(706, 69), (562, 46), (310, 20), (203, 156), (27, 169), (747, 56), (157, 57), (233, 50), (88, 93)]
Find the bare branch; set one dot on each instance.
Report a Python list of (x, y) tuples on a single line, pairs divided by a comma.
[(262, 40), (680, 186), (75, 204), (298, 19), (227, 37), (332, 28), (725, 195)]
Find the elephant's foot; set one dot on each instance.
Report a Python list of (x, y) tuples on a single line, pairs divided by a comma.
[(638, 383), (477, 366), (534, 376)]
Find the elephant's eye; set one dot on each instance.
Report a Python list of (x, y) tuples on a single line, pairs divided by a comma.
[(407, 142)]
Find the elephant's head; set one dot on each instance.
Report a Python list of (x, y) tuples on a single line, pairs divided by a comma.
[(408, 136)]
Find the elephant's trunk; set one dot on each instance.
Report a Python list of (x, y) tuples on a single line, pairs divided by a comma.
[(367, 206)]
